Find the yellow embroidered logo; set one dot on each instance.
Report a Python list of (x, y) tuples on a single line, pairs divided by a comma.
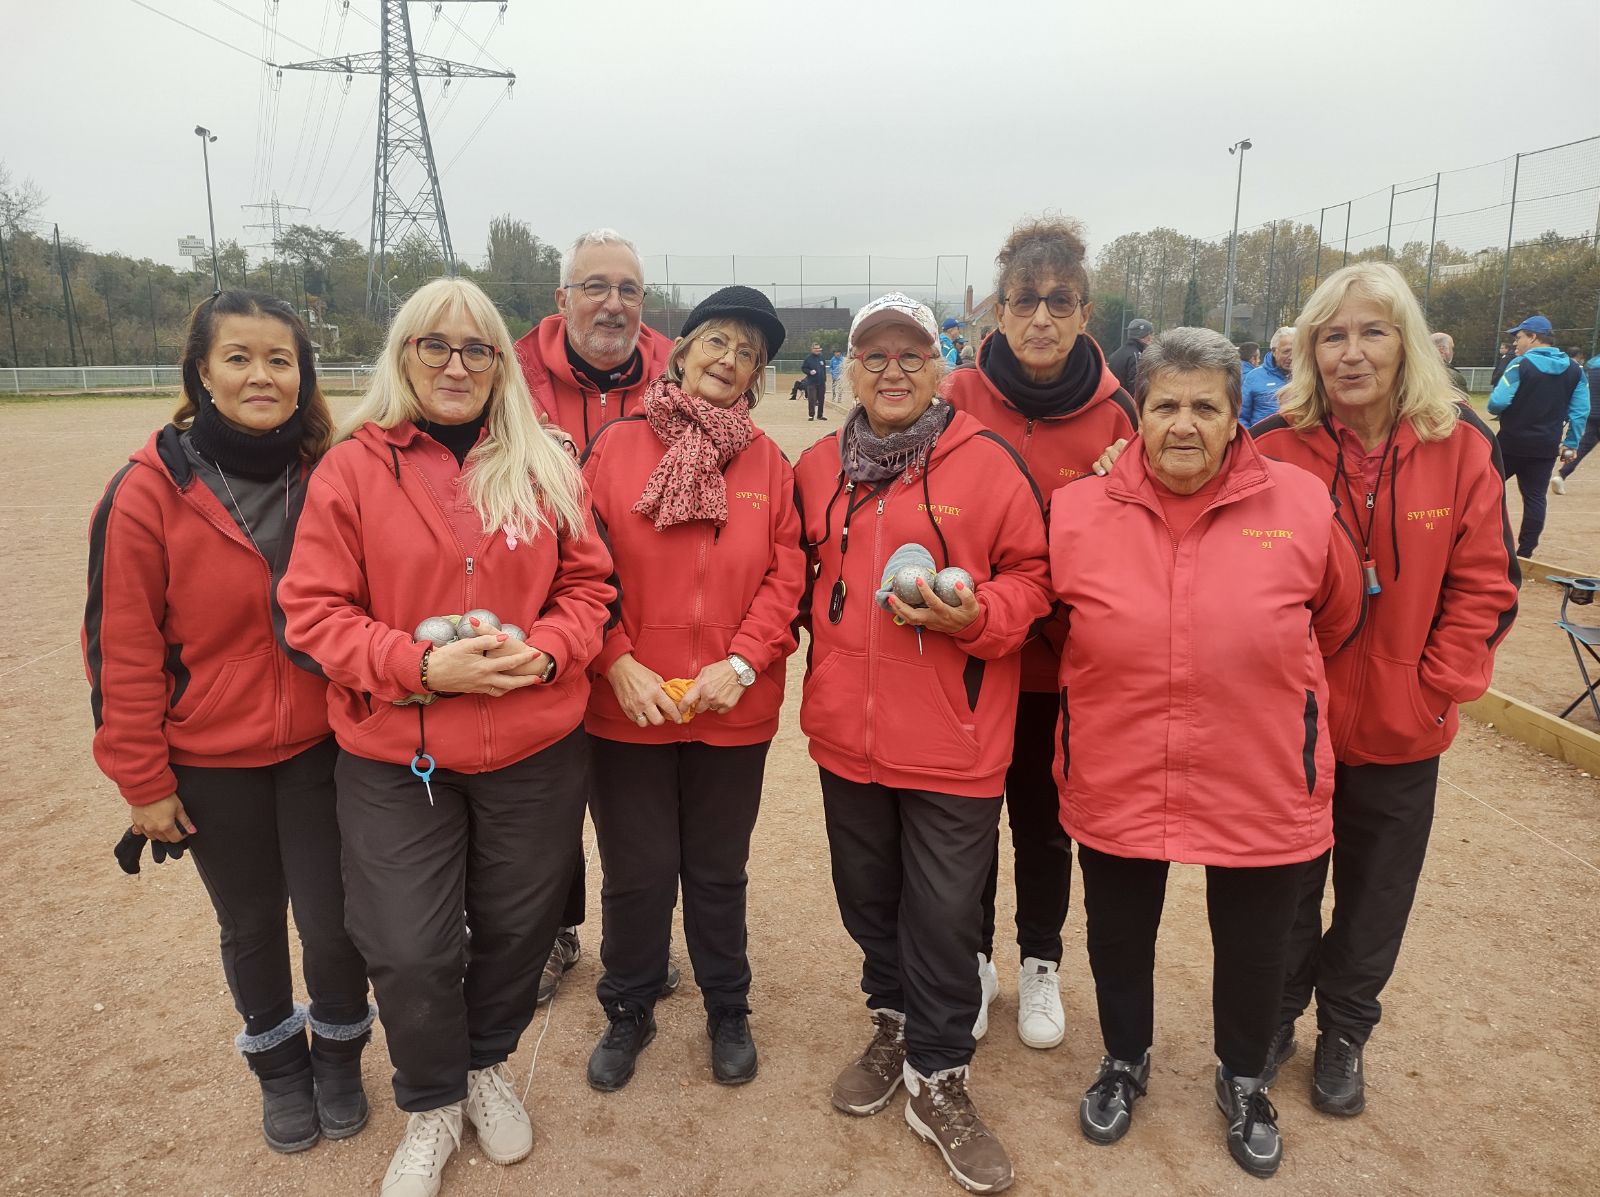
[(940, 510), (1266, 536), (754, 497), (1428, 517), (1069, 473)]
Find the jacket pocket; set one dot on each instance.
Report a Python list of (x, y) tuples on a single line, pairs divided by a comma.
[(914, 725), (664, 648), (236, 687), (1394, 719), (831, 702), (1308, 753)]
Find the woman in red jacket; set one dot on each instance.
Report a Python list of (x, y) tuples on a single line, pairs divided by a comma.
[(910, 710), (1042, 383), (446, 499), (1194, 716), (698, 507), (216, 737), (1371, 412)]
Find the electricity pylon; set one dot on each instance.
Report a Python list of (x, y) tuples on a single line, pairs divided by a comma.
[(403, 136)]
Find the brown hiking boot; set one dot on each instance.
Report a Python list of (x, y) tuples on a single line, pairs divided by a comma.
[(941, 1111), (866, 1086)]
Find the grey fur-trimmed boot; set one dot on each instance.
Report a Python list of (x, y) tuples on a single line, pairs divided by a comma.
[(281, 1061), (336, 1066)]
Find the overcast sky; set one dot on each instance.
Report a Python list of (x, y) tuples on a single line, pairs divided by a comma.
[(823, 128)]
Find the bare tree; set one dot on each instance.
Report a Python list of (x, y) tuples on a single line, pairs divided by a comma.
[(18, 201)]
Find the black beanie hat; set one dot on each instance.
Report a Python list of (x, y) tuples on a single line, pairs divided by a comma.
[(740, 303)]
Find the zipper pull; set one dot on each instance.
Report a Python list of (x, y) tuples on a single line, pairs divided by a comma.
[(469, 567), (1028, 429), (881, 498), (1372, 497)]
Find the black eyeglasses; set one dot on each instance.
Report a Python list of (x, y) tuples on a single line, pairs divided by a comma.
[(435, 353), (597, 290), (1059, 304), (877, 362)]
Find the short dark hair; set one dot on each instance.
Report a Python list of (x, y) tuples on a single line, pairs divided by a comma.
[(1041, 247), (1248, 350)]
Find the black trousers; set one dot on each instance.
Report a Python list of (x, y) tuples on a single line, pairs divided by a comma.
[(1043, 850), (1249, 909), (264, 838), (1590, 438), (665, 814), (908, 870), (500, 846), (1382, 815), (1533, 483), (572, 913), (814, 394)]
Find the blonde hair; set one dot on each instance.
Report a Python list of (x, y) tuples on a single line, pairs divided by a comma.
[(517, 477), (738, 328), (1424, 395)]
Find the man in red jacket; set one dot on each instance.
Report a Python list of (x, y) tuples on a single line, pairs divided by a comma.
[(587, 364)]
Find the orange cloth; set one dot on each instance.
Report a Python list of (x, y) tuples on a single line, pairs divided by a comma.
[(675, 689)]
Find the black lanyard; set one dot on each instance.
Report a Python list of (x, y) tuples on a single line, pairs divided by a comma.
[(852, 505), (1369, 567)]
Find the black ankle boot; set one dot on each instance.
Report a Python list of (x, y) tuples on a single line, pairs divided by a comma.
[(288, 1103), (341, 1101)]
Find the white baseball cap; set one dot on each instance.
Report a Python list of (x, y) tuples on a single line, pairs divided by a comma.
[(894, 308)]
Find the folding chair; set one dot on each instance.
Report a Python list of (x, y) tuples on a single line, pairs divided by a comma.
[(1580, 591)]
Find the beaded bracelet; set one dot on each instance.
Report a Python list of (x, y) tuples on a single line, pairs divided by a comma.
[(426, 653)]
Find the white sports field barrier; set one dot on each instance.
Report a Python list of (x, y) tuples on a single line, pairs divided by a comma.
[(59, 379)]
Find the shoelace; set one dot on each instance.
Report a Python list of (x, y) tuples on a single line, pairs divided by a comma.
[(1035, 994), (731, 1029), (1257, 1107), (493, 1094), (954, 1103), (1339, 1054), (883, 1053), (420, 1148), (624, 1027), (1105, 1089)]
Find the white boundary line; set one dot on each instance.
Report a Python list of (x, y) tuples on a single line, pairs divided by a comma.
[(36, 660), (1586, 864)]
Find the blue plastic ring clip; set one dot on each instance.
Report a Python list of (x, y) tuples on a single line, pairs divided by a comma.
[(424, 774)]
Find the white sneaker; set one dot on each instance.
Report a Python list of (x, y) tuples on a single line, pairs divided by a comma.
[(418, 1164), (504, 1132), (1040, 1020), (989, 981), (1558, 484)]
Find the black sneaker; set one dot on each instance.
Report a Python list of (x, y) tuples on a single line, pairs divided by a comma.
[(674, 979), (1280, 1049), (629, 1033), (1253, 1138), (733, 1051), (564, 953), (1106, 1111), (1337, 1083)]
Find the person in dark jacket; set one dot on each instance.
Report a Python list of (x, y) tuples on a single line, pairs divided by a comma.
[(699, 510), (1503, 355), (814, 376), (215, 734), (1125, 361), (1542, 400), (1591, 430)]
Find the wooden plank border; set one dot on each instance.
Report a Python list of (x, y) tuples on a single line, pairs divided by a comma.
[(1538, 729)]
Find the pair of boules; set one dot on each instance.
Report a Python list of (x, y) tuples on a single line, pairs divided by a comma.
[(943, 584), (443, 629)]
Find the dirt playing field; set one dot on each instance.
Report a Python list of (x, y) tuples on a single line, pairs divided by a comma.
[(118, 1074)]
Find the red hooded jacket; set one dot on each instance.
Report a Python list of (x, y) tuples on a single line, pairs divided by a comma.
[(568, 400), (1056, 450), (377, 554), (178, 635), (1194, 706), (1448, 567), (693, 593), (880, 703)]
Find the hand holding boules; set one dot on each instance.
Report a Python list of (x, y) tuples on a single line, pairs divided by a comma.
[(466, 666), (936, 615)]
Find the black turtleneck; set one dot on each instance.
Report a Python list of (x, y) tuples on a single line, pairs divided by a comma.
[(1036, 400), (458, 438), (625, 375), (263, 457)]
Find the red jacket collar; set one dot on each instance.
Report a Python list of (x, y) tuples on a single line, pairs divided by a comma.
[(1244, 472)]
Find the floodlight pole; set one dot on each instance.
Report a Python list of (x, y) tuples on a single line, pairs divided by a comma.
[(1233, 246), (206, 136)]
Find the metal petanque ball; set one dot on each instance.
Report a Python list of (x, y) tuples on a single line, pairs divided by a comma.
[(944, 584), (904, 584), (512, 630), (437, 629), (489, 620)]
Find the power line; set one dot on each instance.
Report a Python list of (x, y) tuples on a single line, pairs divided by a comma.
[(201, 32)]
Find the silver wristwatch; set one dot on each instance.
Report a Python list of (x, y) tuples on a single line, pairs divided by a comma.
[(742, 670)]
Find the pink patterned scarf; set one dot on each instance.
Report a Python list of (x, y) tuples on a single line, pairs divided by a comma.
[(701, 438)]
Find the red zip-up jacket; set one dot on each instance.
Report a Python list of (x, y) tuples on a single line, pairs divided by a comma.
[(377, 553), (880, 703), (570, 401), (178, 638), (1442, 544), (693, 593), (1194, 704), (1056, 450)]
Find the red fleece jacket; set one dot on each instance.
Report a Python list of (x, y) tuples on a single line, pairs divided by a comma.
[(178, 641), (376, 554), (880, 703), (571, 402)]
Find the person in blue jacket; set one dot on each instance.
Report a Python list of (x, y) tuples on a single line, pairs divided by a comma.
[(1591, 431), (1260, 386), (835, 364), (1542, 392)]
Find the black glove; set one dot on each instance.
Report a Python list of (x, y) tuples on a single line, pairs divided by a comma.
[(131, 846)]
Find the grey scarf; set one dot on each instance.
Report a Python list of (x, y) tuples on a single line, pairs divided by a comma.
[(869, 458)]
